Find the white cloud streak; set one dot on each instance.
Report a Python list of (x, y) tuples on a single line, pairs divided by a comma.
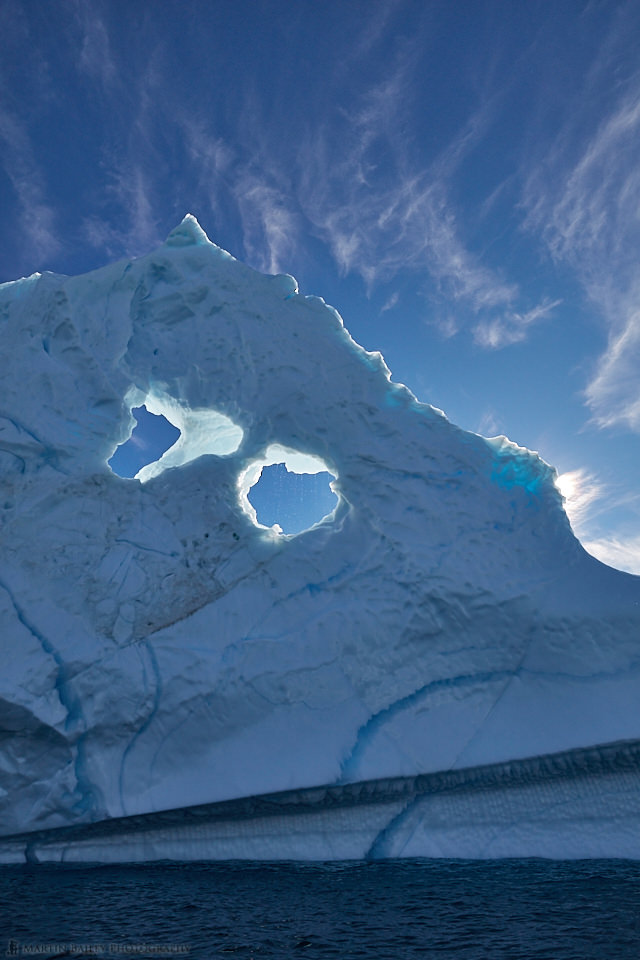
[(490, 424), (267, 212), (355, 180), (130, 187), (38, 225), (509, 328), (132, 167), (585, 498), (269, 225), (95, 57), (582, 492), (584, 201), (381, 212), (379, 221), (621, 554), (390, 302)]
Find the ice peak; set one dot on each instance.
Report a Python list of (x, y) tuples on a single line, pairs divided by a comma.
[(187, 233)]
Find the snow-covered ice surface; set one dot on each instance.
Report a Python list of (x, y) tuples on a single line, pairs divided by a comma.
[(160, 650)]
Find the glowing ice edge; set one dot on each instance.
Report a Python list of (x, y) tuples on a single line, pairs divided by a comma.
[(161, 651), (202, 432)]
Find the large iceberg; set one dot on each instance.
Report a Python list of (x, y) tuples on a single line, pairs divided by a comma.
[(437, 667)]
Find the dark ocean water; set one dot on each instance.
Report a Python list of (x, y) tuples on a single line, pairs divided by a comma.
[(530, 909)]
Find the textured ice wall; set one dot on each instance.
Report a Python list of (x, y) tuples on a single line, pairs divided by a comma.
[(581, 803), (161, 650)]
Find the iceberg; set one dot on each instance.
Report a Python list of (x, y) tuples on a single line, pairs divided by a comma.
[(435, 668)]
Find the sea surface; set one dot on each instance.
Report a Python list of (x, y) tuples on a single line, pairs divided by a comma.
[(387, 910)]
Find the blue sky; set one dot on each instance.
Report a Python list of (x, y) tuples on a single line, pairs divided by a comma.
[(460, 179)]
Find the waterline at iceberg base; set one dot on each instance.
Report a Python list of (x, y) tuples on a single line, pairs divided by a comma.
[(435, 668), (581, 803)]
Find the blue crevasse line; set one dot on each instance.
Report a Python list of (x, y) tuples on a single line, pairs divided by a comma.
[(75, 720), (157, 697), (381, 842), (22, 429), (312, 589), (369, 729), (50, 454)]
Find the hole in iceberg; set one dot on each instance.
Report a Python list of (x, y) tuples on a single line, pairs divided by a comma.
[(287, 490), (171, 434), (151, 437)]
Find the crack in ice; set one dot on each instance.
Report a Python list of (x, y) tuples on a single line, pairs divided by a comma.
[(75, 722), (377, 720), (157, 696)]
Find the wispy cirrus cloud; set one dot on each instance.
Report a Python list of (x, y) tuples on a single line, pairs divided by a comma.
[(269, 223), (267, 212), (583, 199), (38, 216), (383, 209), (614, 392), (390, 302), (583, 493), (623, 554), (95, 55), (353, 178), (508, 328), (130, 187), (586, 498), (490, 424), (131, 164)]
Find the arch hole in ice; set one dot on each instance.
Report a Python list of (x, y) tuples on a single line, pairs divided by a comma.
[(288, 491), (151, 437), (195, 432)]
